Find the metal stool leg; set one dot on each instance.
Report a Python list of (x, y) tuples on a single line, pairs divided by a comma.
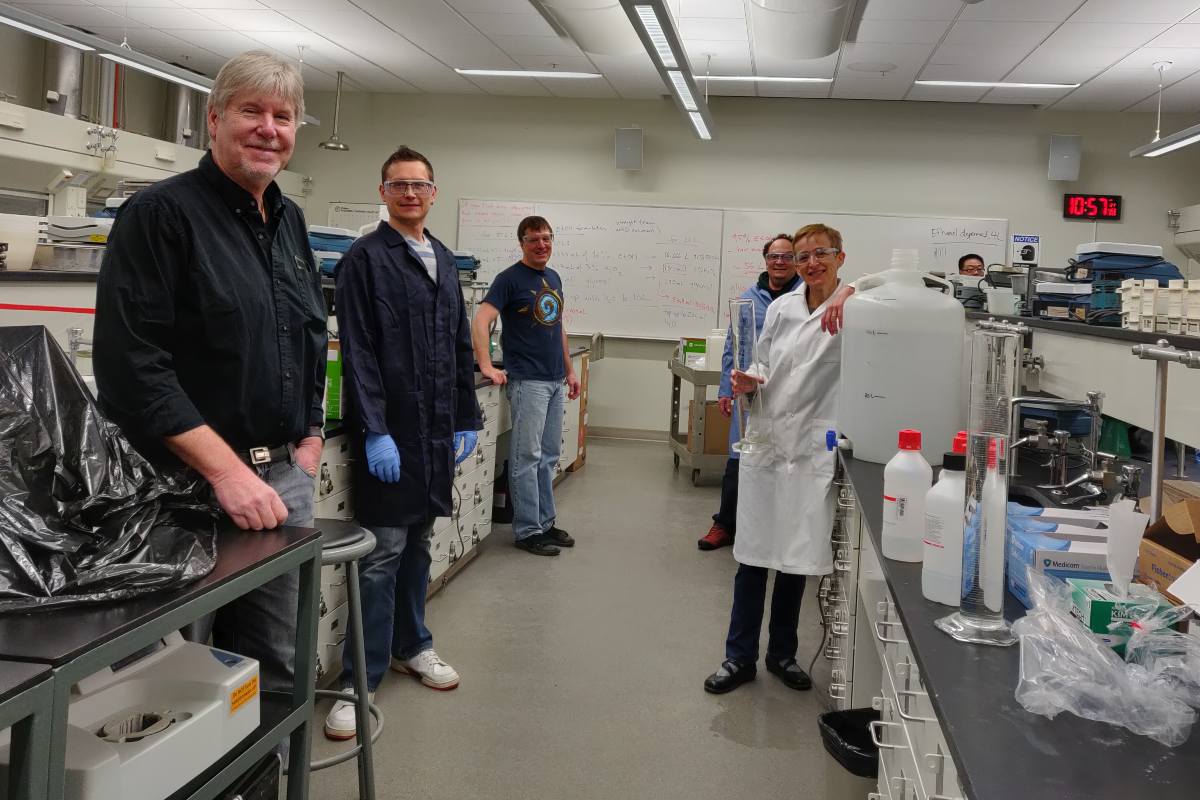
[(366, 763)]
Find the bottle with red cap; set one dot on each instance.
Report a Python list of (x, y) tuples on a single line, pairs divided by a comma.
[(941, 570), (906, 481)]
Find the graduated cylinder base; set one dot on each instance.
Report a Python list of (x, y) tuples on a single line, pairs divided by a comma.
[(977, 631)]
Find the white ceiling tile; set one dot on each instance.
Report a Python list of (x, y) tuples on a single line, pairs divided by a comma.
[(1179, 36), (1180, 97), (218, 4), (120, 4), (536, 45), (597, 89), (713, 30), (722, 66), (1135, 10), (1019, 36), (294, 5), (529, 23), (900, 31), (439, 31), (88, 17), (1066, 65), (224, 42), (908, 59), (971, 71), (710, 9), (867, 89), (250, 20), (810, 68), (1183, 60), (912, 9), (1024, 10), (633, 77), (175, 18), (1036, 97), (1077, 37), (946, 94), (493, 6), (32, 5), (697, 49), (328, 57), (165, 47), (564, 63), (1112, 90)]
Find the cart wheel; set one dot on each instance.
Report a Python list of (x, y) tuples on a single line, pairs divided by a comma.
[(695, 477), (676, 457)]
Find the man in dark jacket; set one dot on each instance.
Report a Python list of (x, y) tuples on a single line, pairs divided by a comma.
[(410, 384)]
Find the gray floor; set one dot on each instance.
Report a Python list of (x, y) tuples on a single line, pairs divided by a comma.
[(582, 674)]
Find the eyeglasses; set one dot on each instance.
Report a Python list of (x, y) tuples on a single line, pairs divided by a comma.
[(547, 238), (781, 258), (821, 253), (401, 188)]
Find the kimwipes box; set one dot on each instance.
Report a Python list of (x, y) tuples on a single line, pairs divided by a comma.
[(1170, 546)]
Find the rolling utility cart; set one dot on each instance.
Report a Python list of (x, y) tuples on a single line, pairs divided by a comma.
[(693, 457), (25, 694)]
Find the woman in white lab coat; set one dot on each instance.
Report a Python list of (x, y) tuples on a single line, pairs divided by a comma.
[(785, 508)]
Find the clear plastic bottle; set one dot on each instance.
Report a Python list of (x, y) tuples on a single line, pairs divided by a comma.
[(906, 481), (941, 571)]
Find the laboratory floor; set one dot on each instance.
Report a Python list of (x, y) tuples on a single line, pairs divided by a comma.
[(582, 674)]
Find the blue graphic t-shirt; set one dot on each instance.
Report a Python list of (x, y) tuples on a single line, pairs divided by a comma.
[(531, 305)]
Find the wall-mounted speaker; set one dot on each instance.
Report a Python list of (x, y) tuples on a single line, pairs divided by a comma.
[(627, 149), (1066, 156)]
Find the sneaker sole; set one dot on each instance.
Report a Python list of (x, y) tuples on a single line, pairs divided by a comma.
[(406, 671), (338, 735)]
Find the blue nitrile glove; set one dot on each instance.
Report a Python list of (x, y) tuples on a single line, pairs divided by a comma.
[(465, 441), (383, 459), (1020, 510)]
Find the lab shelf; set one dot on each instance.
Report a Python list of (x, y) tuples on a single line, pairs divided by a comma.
[(25, 695), (693, 458)]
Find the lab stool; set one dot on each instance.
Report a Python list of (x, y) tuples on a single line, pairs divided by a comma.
[(346, 542)]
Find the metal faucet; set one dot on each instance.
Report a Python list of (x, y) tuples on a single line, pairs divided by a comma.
[(1092, 406), (76, 344)]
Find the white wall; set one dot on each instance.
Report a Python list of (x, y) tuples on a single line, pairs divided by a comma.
[(922, 158)]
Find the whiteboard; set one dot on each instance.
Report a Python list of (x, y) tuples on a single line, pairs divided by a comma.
[(867, 239), (640, 271)]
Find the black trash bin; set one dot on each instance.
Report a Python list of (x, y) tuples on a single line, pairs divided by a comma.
[(847, 738)]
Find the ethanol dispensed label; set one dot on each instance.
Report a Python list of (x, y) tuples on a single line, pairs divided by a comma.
[(242, 695), (933, 531), (892, 509)]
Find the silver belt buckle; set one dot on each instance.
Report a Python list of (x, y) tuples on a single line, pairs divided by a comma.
[(260, 455)]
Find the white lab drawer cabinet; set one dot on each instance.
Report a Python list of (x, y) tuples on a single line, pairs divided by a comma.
[(331, 634), (336, 506), (333, 476), (333, 587)]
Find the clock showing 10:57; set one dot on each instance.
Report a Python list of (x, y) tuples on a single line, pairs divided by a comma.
[(1092, 206)]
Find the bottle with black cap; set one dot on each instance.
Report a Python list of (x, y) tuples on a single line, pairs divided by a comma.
[(941, 570)]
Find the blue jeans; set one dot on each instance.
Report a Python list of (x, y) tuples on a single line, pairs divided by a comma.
[(745, 623), (394, 578), (536, 408), (262, 624)]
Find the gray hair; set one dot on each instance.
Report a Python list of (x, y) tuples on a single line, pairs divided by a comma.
[(258, 71)]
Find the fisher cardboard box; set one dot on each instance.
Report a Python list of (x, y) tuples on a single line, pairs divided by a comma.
[(1170, 546), (716, 429), (333, 380)]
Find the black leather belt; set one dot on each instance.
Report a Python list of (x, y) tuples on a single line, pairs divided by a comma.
[(257, 456)]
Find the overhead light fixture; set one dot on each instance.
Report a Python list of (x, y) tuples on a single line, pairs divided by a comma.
[(527, 73), (654, 30), (158, 73), (762, 79), (1161, 145), (36, 31), (998, 84), (334, 142), (699, 125), (681, 89)]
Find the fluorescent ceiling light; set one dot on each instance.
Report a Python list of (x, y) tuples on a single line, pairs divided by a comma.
[(681, 88), (698, 124), (1168, 144), (762, 78), (998, 84), (527, 73), (654, 30), (54, 37), (158, 73)]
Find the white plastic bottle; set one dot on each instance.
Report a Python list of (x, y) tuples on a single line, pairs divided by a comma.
[(714, 349), (906, 481), (941, 571)]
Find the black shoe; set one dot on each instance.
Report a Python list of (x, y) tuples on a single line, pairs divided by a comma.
[(790, 673), (559, 537), (730, 676), (537, 544)]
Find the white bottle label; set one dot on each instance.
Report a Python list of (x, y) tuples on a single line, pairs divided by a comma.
[(890, 514), (933, 531)]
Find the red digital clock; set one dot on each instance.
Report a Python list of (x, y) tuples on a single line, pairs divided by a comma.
[(1092, 206)]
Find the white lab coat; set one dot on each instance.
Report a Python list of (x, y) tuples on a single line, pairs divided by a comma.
[(786, 496)]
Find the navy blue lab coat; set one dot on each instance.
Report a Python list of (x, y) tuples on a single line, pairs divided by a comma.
[(407, 370)]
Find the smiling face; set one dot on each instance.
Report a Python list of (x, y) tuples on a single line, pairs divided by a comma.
[(819, 272), (781, 265), (253, 138), (537, 245), (408, 207)]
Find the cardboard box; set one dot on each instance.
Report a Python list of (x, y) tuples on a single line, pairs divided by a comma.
[(691, 352), (716, 429), (1096, 604), (1171, 545), (581, 459), (333, 380)]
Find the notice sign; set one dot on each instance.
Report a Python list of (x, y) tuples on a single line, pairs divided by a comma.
[(1025, 250)]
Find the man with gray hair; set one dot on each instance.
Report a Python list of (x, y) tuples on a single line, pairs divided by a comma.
[(210, 335)]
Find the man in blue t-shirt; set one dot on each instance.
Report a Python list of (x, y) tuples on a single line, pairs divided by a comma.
[(528, 299)]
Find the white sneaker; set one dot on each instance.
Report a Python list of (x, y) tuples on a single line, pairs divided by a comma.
[(340, 724), (433, 672)]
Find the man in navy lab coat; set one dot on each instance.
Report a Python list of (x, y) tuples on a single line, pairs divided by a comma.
[(410, 386)]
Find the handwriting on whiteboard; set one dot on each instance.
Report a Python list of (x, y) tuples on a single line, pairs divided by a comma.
[(966, 234)]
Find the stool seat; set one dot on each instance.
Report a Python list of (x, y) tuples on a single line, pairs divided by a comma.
[(343, 540)]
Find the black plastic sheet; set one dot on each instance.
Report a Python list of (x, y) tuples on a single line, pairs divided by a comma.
[(83, 516)]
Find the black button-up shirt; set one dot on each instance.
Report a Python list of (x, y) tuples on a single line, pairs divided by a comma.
[(206, 314)]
